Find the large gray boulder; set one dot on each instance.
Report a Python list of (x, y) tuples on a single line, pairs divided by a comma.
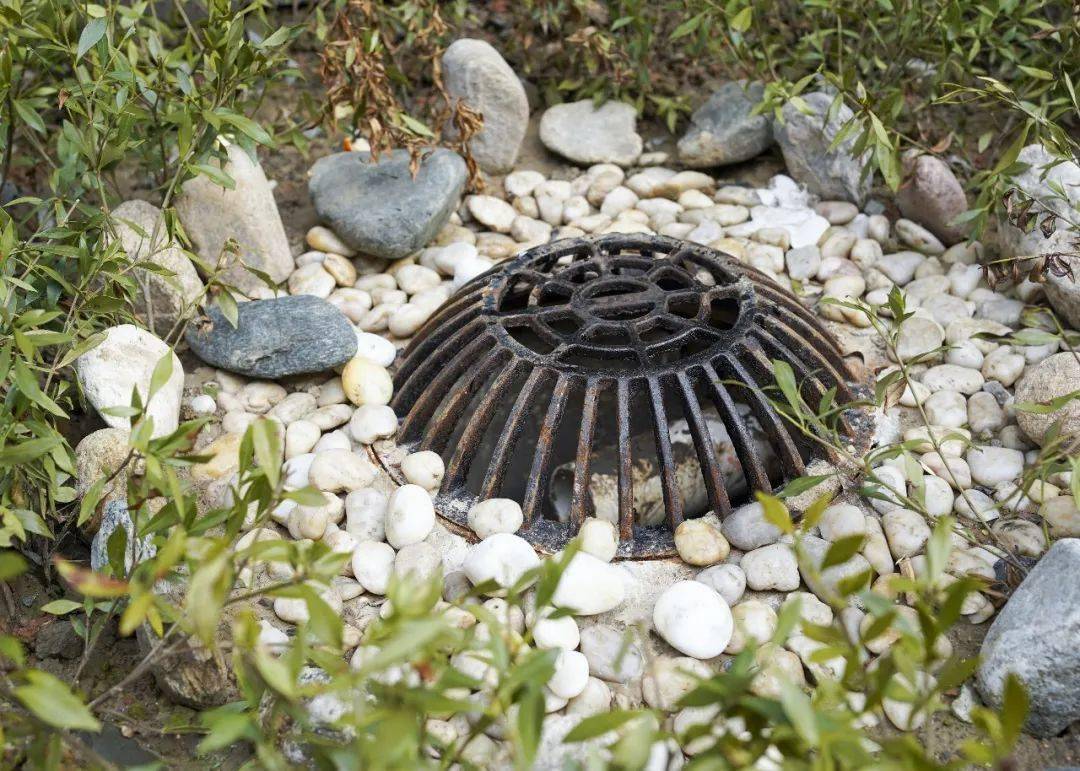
[(587, 134), (805, 140), (1043, 174), (275, 338), (211, 215), (1035, 637), (724, 130), (162, 298), (932, 196), (475, 73), (379, 208)]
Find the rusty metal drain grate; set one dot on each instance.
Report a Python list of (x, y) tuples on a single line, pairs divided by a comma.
[(626, 377)]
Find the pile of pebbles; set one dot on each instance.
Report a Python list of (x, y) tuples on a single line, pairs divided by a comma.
[(966, 363)]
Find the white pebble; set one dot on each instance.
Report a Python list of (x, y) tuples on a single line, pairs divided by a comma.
[(495, 515), (375, 348), (410, 516), (503, 558), (693, 619), (373, 564), (366, 382), (424, 469), (372, 422)]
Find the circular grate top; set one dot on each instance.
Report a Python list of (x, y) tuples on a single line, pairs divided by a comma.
[(626, 377)]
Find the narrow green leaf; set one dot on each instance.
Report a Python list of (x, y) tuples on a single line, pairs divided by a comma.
[(91, 34), (53, 702)]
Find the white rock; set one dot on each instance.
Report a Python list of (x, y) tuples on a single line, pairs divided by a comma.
[(503, 558), (668, 678), (992, 465), (746, 528), (699, 543), (366, 382), (842, 520), (519, 183), (312, 279), (468, 269), (300, 438), (693, 619), (906, 531), (375, 348), (414, 279), (571, 675), (336, 471), (372, 422), (373, 564), (917, 337), (754, 623), (938, 496), (424, 469), (599, 538), (365, 514), (1003, 366), (771, 567), (589, 586), (950, 377), (492, 212), (727, 580), (947, 409), (404, 321), (617, 201), (124, 361), (325, 240), (495, 515), (556, 633), (410, 516)]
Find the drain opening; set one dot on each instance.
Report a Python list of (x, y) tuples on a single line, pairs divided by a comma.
[(625, 377)]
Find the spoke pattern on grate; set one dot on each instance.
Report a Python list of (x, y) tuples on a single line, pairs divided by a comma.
[(582, 344)]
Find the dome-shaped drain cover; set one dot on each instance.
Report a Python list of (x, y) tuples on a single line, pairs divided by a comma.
[(625, 377)]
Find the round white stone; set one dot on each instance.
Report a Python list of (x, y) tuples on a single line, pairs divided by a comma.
[(366, 382), (693, 619), (699, 543), (365, 514), (495, 515), (772, 567), (372, 422), (571, 675), (373, 564), (338, 470), (599, 538), (727, 580), (906, 531), (841, 520), (991, 466), (375, 348), (589, 586), (560, 632), (503, 558), (424, 468), (410, 516)]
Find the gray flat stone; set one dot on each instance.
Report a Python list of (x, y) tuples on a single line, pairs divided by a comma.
[(379, 208), (1035, 636), (276, 338), (587, 134)]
